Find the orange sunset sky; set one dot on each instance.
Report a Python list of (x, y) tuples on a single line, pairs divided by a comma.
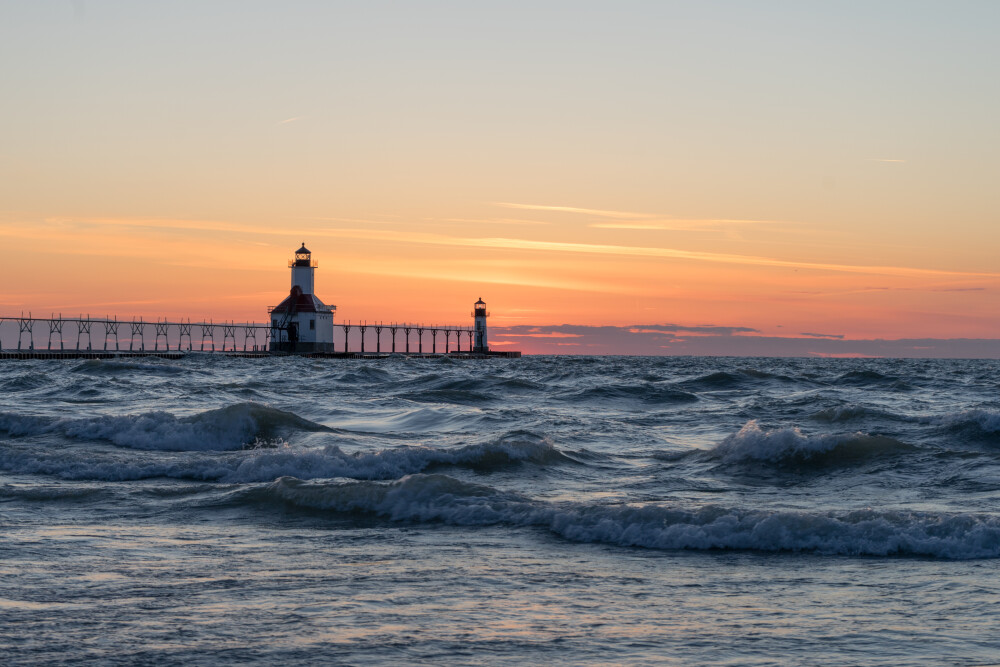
[(786, 167)]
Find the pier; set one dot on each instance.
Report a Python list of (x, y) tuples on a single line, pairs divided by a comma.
[(85, 337), (300, 325)]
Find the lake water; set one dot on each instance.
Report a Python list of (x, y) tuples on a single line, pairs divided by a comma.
[(569, 510)]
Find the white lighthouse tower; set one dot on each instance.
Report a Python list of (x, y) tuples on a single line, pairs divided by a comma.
[(480, 315), (302, 323)]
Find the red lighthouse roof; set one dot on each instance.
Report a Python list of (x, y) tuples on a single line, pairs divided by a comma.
[(299, 302)]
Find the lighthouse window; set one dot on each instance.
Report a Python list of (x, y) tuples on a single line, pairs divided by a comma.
[(312, 324)]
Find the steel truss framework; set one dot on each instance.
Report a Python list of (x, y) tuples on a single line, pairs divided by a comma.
[(252, 336), (279, 335)]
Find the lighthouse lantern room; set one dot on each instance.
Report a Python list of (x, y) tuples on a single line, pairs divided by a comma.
[(302, 323)]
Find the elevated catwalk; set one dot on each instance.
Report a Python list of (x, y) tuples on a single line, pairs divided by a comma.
[(98, 354), (91, 336)]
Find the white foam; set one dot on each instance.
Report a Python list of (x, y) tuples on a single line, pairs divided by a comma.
[(754, 443), (868, 532)]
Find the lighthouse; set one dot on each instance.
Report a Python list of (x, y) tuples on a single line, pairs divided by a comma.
[(302, 323), (480, 315)]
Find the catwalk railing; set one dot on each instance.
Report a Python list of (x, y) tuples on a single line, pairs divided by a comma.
[(110, 334)]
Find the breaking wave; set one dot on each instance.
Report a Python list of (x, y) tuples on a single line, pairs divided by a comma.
[(978, 423), (232, 427), (264, 465), (752, 443), (440, 498), (331, 461)]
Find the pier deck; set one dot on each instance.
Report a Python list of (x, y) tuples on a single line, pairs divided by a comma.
[(85, 337)]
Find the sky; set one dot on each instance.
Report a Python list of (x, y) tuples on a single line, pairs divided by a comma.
[(818, 171)]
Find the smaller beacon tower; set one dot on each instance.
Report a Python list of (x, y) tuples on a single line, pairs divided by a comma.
[(479, 313), (302, 323)]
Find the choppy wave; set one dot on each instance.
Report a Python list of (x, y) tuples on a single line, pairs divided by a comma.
[(364, 374), (977, 423), (714, 381), (25, 382), (645, 393), (433, 388), (431, 418), (764, 375), (48, 493), (753, 443), (330, 461), (128, 366), (447, 395), (848, 413), (264, 465), (423, 498), (874, 379), (232, 427), (736, 379)]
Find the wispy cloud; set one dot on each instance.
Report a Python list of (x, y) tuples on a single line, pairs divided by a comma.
[(363, 221), (671, 224), (70, 307), (488, 276), (581, 330), (884, 159), (653, 252), (642, 221), (672, 253), (918, 288), (549, 334), (160, 223), (710, 329), (822, 335), (290, 120), (572, 209), (491, 221)]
